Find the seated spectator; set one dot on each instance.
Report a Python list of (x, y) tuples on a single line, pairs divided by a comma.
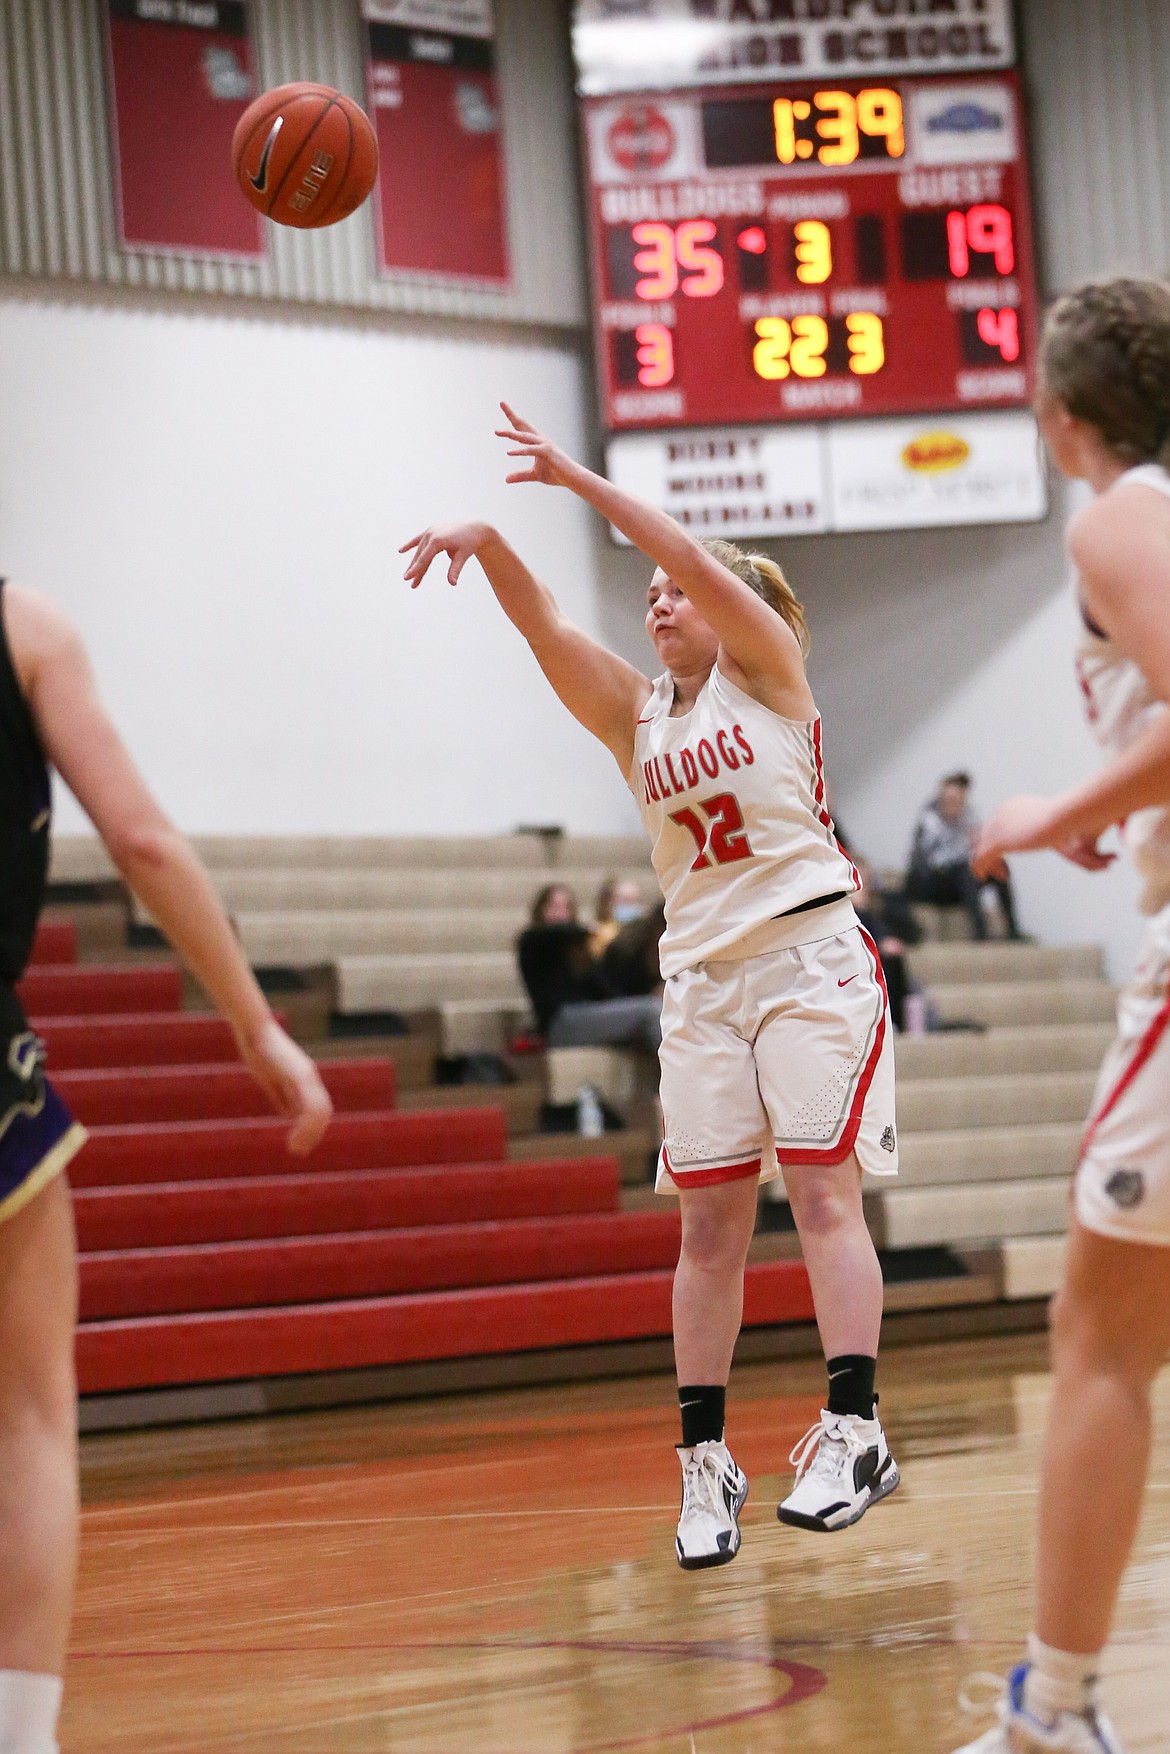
[(619, 902), (630, 965), (940, 860), (891, 925), (574, 1005)]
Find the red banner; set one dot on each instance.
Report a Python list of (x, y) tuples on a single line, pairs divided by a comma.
[(180, 79), (434, 101)]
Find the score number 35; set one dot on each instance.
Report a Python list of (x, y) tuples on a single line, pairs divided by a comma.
[(800, 345)]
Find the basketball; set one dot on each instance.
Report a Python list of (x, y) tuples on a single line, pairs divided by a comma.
[(304, 154)]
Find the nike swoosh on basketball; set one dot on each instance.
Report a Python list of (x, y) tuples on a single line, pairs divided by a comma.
[(852, 977), (260, 181)]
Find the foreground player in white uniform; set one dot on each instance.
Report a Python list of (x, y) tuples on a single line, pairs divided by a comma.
[(777, 1044), (1104, 410)]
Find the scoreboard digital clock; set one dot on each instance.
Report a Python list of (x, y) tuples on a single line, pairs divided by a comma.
[(807, 251)]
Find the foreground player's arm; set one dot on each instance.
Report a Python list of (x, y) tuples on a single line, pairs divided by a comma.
[(157, 862), (752, 634), (602, 691), (1123, 560)]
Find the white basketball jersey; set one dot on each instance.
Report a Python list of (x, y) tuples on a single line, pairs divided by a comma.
[(1120, 703), (733, 798)]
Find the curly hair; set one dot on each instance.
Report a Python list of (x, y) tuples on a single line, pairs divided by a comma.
[(766, 579), (1106, 355)]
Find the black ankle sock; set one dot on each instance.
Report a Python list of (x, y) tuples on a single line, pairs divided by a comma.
[(851, 1384), (702, 1407)]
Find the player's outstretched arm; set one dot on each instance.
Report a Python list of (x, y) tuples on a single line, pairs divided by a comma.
[(759, 641), (156, 861), (602, 691), (1123, 560)]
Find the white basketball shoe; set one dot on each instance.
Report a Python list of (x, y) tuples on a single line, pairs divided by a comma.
[(713, 1494), (843, 1465), (1018, 1732)]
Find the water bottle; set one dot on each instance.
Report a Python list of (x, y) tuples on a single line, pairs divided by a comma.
[(590, 1118)]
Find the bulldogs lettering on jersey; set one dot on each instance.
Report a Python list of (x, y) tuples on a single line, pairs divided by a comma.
[(733, 798), (1119, 704)]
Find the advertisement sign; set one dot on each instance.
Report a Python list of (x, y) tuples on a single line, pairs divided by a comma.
[(953, 469), (181, 76), (660, 45), (741, 481), (434, 102), (839, 475)]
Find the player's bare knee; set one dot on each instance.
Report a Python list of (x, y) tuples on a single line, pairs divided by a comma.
[(713, 1239)]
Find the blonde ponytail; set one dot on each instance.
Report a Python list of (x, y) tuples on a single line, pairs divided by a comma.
[(767, 580)]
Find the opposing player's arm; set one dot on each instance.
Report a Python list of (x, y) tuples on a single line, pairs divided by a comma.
[(758, 640), (1122, 555), (156, 860), (602, 691)]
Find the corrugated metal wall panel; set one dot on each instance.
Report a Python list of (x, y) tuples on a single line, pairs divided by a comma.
[(1099, 82), (56, 189)]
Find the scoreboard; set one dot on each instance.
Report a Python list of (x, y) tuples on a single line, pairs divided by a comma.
[(800, 252), (774, 254)]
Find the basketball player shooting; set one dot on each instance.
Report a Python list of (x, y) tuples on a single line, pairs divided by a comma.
[(777, 1053)]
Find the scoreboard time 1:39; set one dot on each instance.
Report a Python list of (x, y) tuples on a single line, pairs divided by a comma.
[(803, 252)]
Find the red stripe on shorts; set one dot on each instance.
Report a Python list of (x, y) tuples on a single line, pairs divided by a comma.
[(839, 1152), (1142, 1053), (709, 1178)]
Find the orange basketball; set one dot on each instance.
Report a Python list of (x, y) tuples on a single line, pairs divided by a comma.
[(304, 154)]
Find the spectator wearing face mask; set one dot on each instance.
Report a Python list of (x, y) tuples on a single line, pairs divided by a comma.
[(619, 902)]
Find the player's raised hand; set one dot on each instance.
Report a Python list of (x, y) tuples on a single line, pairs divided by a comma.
[(458, 541), (1084, 851), (551, 466), (1022, 825), (291, 1082)]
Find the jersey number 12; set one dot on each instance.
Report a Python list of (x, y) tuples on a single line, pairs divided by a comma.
[(723, 839)]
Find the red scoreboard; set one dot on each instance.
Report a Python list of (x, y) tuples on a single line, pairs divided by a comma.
[(811, 250)]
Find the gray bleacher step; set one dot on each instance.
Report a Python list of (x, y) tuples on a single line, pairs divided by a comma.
[(985, 1154), (411, 983), (933, 1216), (520, 1102), (1031, 1266), (305, 937), (1005, 1003), (962, 964), (633, 1147), (276, 888), (934, 1104), (1044, 1047), (370, 851)]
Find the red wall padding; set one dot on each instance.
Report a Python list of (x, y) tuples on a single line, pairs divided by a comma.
[(55, 941), (107, 1097), (157, 1214), (200, 1150), (454, 1324), (313, 1269), (93, 987), (152, 1038)]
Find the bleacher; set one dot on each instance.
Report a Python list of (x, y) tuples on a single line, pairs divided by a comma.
[(439, 1220)]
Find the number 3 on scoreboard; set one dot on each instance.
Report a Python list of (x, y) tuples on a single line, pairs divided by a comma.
[(725, 841)]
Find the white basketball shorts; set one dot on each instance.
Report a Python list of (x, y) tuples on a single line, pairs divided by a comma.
[(1122, 1184), (778, 1058)]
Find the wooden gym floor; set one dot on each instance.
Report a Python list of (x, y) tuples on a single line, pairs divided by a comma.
[(496, 1573)]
